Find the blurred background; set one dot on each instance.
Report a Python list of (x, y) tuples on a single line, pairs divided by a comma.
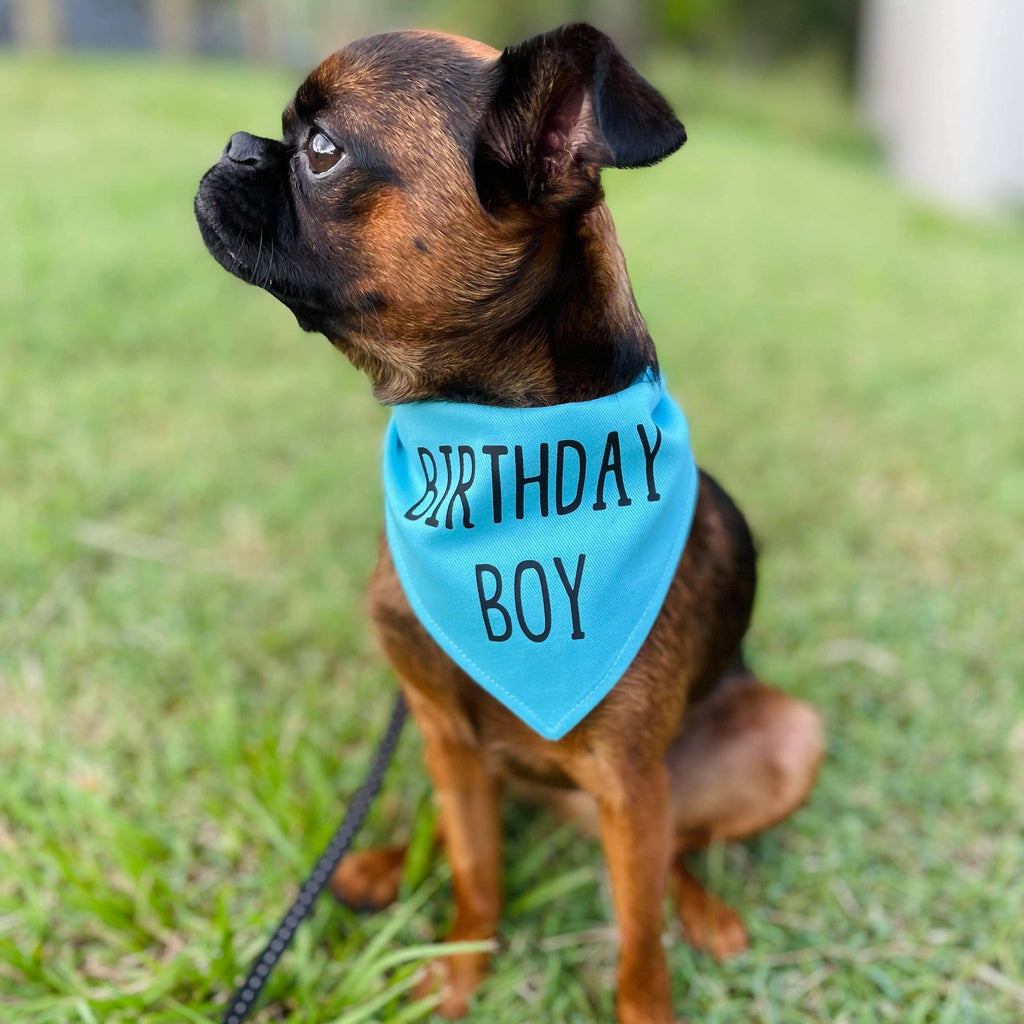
[(939, 81), (833, 271)]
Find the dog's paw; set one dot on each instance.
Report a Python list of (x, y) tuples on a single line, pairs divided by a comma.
[(713, 927), (369, 879), (453, 979), (436, 981)]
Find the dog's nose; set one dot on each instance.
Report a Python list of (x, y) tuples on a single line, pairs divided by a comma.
[(243, 148)]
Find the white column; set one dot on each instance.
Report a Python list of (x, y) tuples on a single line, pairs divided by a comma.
[(943, 83)]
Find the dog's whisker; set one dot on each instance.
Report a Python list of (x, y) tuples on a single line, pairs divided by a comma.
[(380, 326), (268, 278), (256, 263)]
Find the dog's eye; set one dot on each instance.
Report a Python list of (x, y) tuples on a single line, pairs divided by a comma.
[(323, 154)]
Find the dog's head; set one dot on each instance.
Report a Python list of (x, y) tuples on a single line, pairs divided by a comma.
[(425, 191)]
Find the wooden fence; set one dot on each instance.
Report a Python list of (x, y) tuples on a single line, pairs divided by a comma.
[(278, 30)]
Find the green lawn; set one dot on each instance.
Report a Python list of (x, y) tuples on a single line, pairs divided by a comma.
[(189, 504)]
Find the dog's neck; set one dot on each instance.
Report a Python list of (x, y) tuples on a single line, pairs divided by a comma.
[(581, 335), (597, 340)]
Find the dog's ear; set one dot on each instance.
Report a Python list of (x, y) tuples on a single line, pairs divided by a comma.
[(564, 105)]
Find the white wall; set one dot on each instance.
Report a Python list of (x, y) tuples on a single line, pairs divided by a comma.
[(943, 83)]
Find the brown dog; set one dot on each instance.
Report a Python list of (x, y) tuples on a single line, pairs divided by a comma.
[(435, 209)]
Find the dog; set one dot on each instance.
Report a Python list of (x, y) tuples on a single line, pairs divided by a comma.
[(434, 208)]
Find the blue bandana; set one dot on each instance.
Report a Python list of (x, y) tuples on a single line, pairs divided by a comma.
[(537, 545)]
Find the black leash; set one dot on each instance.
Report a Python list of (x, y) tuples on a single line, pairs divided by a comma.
[(245, 998)]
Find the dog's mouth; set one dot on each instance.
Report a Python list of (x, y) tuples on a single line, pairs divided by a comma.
[(257, 263), (234, 255), (258, 258)]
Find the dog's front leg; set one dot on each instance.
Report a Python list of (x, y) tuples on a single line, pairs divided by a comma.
[(636, 834), (468, 802)]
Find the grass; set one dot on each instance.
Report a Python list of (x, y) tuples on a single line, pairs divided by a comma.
[(189, 504)]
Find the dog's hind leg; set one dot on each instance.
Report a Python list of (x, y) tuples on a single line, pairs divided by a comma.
[(746, 759), (710, 926)]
